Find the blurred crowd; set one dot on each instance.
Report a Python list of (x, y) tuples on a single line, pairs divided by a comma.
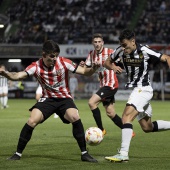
[(74, 21), (154, 24), (68, 21)]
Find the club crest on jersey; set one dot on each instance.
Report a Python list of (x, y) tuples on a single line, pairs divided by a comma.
[(140, 55), (58, 72)]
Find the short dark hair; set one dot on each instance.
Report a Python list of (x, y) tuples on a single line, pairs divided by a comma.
[(50, 47), (126, 34), (97, 35)]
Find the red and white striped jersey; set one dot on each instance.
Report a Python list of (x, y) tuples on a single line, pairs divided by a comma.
[(106, 77), (54, 81)]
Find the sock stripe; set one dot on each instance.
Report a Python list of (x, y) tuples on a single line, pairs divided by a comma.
[(127, 125)]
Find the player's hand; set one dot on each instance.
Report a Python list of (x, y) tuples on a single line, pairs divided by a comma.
[(82, 63), (117, 69), (96, 65)]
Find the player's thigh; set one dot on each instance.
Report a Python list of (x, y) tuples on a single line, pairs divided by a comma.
[(36, 117), (129, 114)]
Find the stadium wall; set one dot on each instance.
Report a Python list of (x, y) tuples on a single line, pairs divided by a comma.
[(69, 51)]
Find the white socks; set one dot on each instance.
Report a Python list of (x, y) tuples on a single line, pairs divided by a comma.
[(4, 100), (163, 125), (19, 154), (126, 138), (83, 152)]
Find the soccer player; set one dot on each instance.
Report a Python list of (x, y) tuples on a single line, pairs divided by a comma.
[(51, 71), (108, 83), (3, 90), (136, 59)]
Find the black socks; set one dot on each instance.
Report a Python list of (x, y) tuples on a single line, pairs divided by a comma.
[(25, 136)]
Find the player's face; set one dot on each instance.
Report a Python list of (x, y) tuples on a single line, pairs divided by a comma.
[(128, 45), (50, 59), (98, 44)]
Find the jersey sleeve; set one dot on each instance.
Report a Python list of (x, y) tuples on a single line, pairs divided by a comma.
[(154, 56), (72, 66), (88, 61), (151, 52), (30, 70), (116, 54)]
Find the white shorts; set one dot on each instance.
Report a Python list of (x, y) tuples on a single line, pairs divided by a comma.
[(140, 98), (4, 89)]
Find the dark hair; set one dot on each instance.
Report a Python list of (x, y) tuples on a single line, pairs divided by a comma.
[(126, 34), (97, 35), (50, 47)]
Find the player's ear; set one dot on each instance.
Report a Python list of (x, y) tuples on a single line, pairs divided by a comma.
[(43, 54)]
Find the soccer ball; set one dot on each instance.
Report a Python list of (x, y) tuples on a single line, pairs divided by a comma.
[(93, 136)]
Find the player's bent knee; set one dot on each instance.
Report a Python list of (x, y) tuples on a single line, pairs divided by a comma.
[(32, 123)]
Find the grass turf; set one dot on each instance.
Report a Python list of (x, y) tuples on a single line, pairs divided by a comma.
[(53, 147)]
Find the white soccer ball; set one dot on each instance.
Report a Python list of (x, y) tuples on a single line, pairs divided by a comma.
[(93, 136)]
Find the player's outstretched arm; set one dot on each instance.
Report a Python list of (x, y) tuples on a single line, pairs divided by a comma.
[(87, 71), (14, 76)]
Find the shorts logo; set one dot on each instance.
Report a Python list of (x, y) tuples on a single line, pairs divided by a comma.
[(102, 93)]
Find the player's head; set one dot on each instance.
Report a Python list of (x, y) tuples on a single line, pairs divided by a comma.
[(127, 41), (51, 48), (97, 41), (51, 51)]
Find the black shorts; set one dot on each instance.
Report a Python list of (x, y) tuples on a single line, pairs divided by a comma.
[(48, 106), (107, 95)]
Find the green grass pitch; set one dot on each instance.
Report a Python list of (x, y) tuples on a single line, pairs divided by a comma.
[(53, 147)]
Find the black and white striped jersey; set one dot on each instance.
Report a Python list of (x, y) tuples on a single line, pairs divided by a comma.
[(136, 64), (3, 81)]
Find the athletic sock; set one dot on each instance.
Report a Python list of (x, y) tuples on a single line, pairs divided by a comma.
[(25, 136), (79, 135), (97, 118), (161, 125), (5, 100), (118, 121), (83, 152), (19, 154), (127, 130), (2, 102)]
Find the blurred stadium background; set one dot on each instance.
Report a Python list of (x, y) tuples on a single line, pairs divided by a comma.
[(26, 24)]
